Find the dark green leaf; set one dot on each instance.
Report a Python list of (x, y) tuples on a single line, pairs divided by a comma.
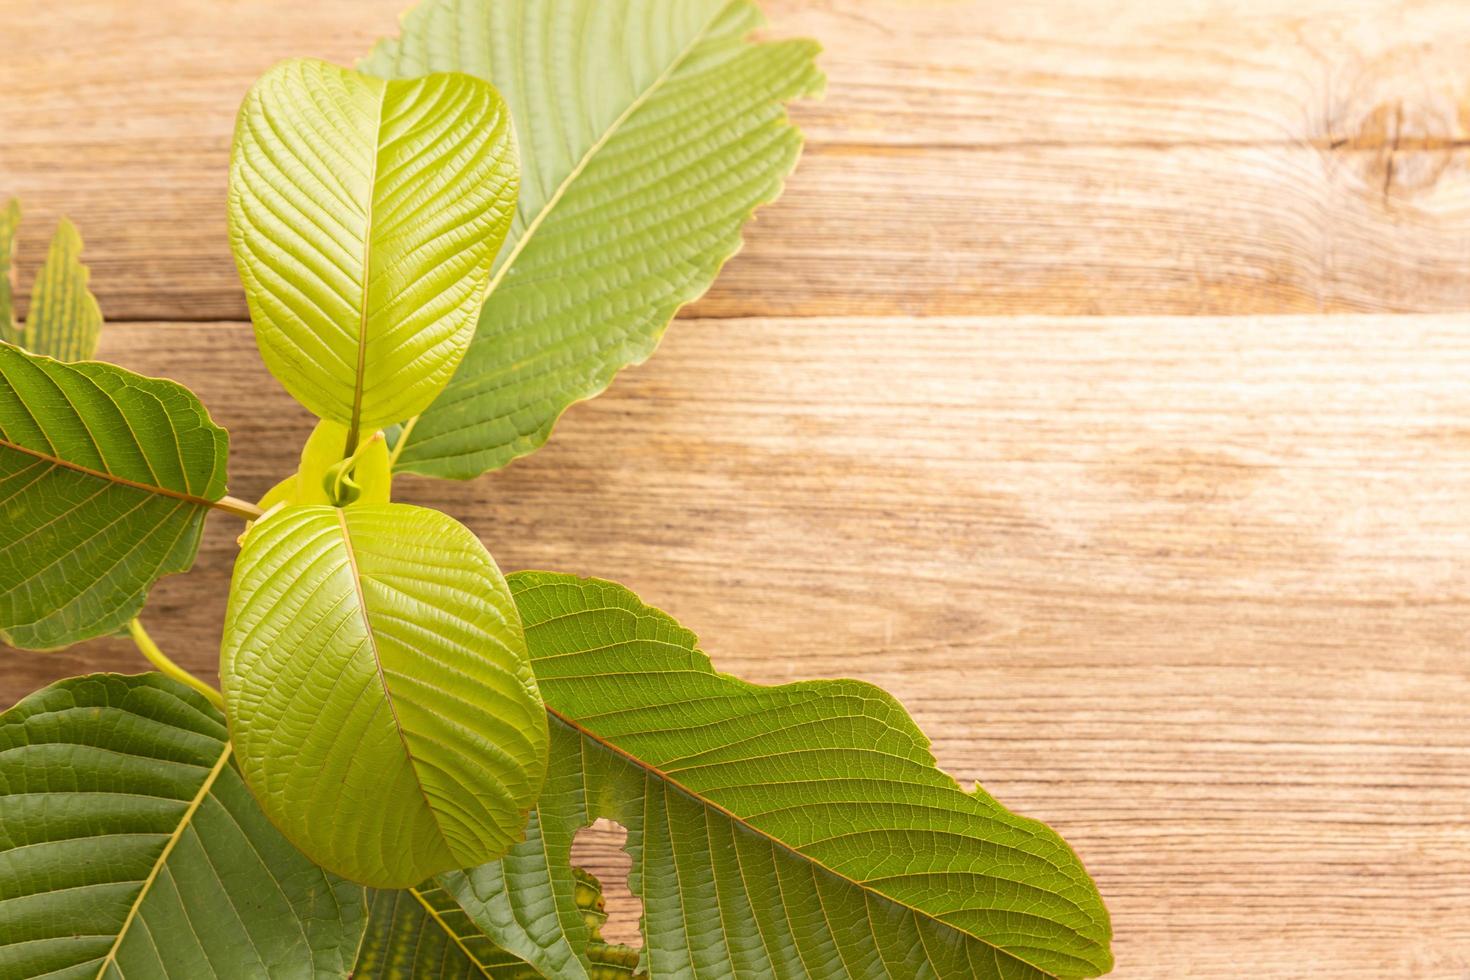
[(423, 934), (105, 479), (130, 849), (792, 831)]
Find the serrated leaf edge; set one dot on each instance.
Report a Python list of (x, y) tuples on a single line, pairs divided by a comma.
[(531, 442), (674, 784)]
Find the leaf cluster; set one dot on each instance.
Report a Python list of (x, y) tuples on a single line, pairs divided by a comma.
[(441, 253)]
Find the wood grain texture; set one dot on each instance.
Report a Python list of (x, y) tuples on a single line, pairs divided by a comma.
[(1195, 591), (1204, 156)]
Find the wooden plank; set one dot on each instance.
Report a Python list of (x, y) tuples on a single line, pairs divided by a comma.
[(1208, 156), (1193, 591)]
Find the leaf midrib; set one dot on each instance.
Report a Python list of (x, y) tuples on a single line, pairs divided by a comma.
[(382, 677), (575, 172), (188, 816), (103, 475), (367, 248), (600, 143), (775, 841), (439, 920)]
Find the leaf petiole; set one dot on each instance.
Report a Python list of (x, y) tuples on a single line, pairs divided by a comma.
[(238, 507), (167, 667), (401, 442)]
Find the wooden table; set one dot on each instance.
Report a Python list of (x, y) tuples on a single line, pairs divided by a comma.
[(1100, 386)]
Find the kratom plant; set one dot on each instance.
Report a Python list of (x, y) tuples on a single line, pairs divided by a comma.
[(440, 255)]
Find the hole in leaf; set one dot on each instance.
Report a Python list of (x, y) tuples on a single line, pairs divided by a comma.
[(598, 850)]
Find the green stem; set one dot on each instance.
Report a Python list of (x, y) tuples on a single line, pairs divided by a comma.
[(403, 435), (238, 507), (160, 660)]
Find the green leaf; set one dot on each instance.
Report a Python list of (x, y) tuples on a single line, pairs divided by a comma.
[(792, 831), (322, 451), (651, 130), (64, 320), (129, 848), (364, 217), (324, 477), (610, 961), (379, 692), (105, 479), (9, 224), (423, 933), (365, 477)]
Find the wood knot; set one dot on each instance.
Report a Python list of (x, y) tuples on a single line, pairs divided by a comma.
[(1398, 128), (1401, 149)]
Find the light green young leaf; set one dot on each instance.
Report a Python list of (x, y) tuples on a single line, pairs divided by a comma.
[(105, 479), (372, 473), (792, 831), (651, 130), (379, 693), (9, 224), (423, 934), (364, 217), (130, 849), (64, 321), (365, 477)]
